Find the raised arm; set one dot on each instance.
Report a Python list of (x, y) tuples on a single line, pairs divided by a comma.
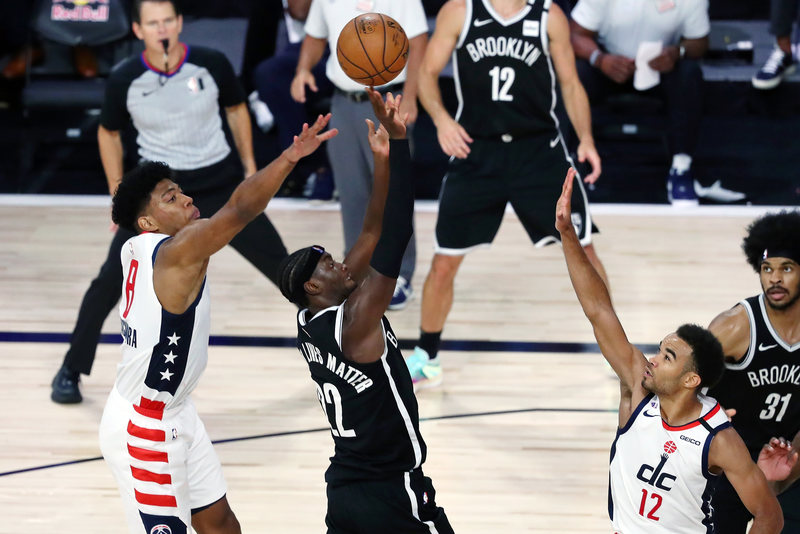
[(728, 453), (182, 260), (626, 360), (388, 113), (453, 138), (575, 100), (362, 333)]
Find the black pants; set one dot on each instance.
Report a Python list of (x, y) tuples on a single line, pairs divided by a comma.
[(401, 504), (258, 242), (731, 516), (681, 89)]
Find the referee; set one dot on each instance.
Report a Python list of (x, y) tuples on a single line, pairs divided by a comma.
[(172, 93)]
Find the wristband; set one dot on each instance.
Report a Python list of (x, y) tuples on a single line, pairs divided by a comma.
[(682, 51), (594, 57)]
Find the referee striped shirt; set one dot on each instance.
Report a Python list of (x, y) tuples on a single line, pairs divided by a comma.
[(176, 115)]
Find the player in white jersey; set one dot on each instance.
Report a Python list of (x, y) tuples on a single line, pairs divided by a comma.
[(157, 448), (672, 443)]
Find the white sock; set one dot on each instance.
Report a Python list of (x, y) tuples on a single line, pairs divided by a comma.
[(681, 162)]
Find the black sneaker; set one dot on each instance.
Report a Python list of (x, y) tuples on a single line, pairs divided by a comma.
[(65, 386), (778, 65)]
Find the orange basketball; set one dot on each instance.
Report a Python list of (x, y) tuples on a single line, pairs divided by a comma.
[(372, 49)]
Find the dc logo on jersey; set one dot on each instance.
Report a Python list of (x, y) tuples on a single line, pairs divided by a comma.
[(656, 476), (161, 529), (577, 222)]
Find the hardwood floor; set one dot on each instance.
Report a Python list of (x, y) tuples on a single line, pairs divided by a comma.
[(517, 441)]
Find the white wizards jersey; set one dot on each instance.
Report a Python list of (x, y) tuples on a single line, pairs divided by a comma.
[(659, 475), (163, 354)]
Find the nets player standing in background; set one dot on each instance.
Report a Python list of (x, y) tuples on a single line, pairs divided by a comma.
[(760, 337), (504, 141), (151, 436), (173, 94), (375, 480), (672, 442)]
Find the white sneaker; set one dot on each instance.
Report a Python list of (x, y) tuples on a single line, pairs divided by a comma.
[(264, 117), (717, 193)]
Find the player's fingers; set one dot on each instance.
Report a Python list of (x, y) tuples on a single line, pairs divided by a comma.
[(333, 132), (370, 127)]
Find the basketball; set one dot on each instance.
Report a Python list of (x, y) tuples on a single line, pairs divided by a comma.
[(372, 49)]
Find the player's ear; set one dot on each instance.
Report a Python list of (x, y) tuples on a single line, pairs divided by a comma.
[(146, 223), (691, 380), (312, 287)]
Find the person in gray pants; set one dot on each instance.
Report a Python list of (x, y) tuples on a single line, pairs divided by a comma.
[(781, 62), (350, 156)]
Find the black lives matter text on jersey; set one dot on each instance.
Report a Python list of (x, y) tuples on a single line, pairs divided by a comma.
[(343, 370)]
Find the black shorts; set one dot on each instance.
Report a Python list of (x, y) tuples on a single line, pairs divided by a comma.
[(402, 504), (731, 516), (526, 172)]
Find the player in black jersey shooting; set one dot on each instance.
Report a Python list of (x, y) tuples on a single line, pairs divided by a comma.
[(375, 480), (760, 337)]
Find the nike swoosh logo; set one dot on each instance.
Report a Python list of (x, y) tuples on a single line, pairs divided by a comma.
[(147, 93), (554, 142), (762, 347), (479, 23), (648, 414)]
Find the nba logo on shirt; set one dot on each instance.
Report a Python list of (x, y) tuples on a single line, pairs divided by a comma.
[(530, 28)]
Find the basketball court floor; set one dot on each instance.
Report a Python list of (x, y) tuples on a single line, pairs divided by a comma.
[(518, 434)]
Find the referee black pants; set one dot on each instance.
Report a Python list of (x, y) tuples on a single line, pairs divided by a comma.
[(258, 242)]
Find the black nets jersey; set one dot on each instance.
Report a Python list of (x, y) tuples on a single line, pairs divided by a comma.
[(371, 408), (764, 386), (505, 80)]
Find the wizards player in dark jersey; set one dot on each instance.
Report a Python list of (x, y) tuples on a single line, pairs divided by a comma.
[(375, 480), (761, 340), (509, 57)]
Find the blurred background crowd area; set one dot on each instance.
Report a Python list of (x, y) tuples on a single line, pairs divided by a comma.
[(50, 94)]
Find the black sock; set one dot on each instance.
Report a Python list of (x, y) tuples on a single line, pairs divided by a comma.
[(430, 342)]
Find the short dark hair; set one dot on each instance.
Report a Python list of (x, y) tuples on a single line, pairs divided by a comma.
[(136, 10), (133, 193), (773, 233), (707, 355), (295, 270)]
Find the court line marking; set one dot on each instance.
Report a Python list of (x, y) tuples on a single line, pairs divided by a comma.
[(324, 429), (456, 345), (421, 206)]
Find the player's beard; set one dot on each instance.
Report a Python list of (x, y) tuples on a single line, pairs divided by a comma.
[(780, 306)]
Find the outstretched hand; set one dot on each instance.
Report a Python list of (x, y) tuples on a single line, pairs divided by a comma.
[(310, 138), (388, 113), (378, 139), (776, 459), (564, 204)]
